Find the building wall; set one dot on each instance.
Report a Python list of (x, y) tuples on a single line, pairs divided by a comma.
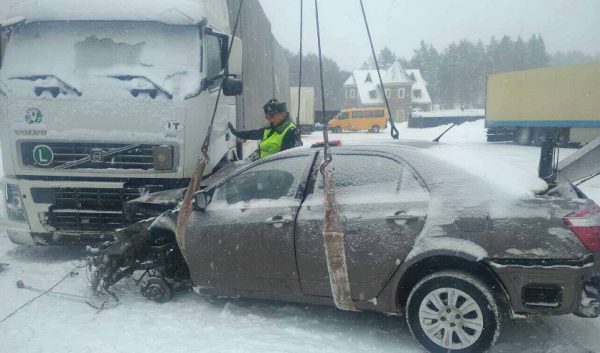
[(399, 106)]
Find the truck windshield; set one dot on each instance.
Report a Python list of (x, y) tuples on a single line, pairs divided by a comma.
[(100, 58)]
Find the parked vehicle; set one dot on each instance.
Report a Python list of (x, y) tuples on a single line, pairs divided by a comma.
[(371, 119), (307, 108), (93, 111), (520, 105), (423, 238)]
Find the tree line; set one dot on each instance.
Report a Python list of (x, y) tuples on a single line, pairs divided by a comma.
[(455, 76), (333, 78)]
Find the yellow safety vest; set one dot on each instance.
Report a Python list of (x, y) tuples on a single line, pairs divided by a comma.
[(271, 142)]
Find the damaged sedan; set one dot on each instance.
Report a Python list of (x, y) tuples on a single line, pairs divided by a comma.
[(422, 238)]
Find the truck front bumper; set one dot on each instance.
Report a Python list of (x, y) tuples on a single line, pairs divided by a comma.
[(18, 232), (48, 223)]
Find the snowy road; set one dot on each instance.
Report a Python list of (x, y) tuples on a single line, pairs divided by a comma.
[(194, 324)]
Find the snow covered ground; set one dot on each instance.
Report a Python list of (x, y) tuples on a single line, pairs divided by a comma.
[(191, 323)]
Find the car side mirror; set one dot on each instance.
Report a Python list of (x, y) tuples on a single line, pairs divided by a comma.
[(232, 87), (200, 201)]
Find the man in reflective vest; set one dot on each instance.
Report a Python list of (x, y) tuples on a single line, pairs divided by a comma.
[(280, 135)]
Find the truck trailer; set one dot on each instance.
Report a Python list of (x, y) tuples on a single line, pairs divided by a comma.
[(102, 101), (522, 105), (306, 119)]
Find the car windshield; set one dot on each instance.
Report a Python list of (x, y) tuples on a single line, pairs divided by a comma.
[(100, 58)]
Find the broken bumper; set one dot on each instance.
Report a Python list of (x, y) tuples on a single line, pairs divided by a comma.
[(548, 288)]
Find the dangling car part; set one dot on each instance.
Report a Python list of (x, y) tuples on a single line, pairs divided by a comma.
[(148, 246)]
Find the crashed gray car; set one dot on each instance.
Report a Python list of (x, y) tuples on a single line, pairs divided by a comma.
[(422, 238)]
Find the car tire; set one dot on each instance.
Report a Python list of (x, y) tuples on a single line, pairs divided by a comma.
[(375, 129), (337, 130), (473, 328)]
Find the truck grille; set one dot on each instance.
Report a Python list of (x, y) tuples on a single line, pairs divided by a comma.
[(69, 155), (86, 209)]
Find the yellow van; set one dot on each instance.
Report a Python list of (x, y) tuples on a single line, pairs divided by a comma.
[(357, 119)]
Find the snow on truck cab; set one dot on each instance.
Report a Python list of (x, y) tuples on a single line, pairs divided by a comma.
[(99, 100)]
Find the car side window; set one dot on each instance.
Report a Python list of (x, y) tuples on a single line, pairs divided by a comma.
[(343, 116), (272, 180), (357, 114), (368, 178), (364, 175)]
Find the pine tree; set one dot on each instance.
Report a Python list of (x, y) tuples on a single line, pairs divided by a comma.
[(537, 52), (386, 58)]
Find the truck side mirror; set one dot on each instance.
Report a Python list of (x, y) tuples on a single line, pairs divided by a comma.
[(232, 87), (200, 201)]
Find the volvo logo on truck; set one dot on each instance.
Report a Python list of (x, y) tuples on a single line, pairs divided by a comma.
[(43, 155), (33, 116)]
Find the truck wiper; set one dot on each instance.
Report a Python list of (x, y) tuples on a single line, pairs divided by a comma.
[(135, 92), (34, 78)]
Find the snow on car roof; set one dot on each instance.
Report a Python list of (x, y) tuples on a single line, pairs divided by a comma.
[(175, 12)]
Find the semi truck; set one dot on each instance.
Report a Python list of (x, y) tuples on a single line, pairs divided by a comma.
[(102, 101), (306, 119), (522, 105)]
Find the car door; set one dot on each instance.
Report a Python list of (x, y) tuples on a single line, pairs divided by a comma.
[(244, 240), (383, 205), (357, 120)]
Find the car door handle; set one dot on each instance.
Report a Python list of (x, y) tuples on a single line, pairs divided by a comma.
[(403, 217), (278, 220)]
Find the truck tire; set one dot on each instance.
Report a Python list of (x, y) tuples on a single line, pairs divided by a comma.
[(523, 136), (337, 130), (453, 311), (375, 129)]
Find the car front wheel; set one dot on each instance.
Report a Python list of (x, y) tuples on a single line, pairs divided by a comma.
[(453, 312), (337, 129)]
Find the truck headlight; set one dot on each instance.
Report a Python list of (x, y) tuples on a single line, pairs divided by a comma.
[(14, 204), (163, 157)]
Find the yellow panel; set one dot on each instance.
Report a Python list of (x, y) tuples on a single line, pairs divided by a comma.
[(560, 93)]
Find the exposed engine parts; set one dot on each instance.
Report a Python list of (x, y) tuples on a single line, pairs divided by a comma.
[(149, 248)]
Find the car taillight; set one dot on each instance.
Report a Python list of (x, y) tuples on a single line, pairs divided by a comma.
[(585, 223)]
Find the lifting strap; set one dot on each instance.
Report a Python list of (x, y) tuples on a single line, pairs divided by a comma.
[(333, 235), (194, 185)]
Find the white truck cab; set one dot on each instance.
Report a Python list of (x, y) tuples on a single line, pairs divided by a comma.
[(101, 100)]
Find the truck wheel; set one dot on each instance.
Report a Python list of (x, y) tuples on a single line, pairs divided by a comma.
[(375, 129), (157, 289), (453, 312), (337, 130), (524, 136)]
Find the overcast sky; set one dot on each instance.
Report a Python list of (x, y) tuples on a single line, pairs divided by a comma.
[(402, 24)]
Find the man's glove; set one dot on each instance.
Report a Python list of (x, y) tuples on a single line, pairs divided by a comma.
[(231, 128)]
